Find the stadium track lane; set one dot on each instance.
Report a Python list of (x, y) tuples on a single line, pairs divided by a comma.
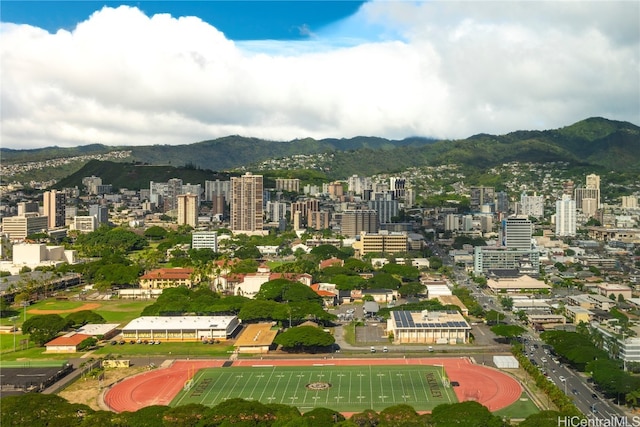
[(488, 386)]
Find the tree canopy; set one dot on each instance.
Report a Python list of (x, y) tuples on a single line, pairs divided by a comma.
[(304, 338), (43, 328)]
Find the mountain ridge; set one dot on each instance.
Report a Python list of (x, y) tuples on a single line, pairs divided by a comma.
[(594, 141)]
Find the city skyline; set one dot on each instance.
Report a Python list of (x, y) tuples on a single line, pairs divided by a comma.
[(182, 72)]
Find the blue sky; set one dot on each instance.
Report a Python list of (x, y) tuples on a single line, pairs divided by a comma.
[(238, 20), (164, 72)]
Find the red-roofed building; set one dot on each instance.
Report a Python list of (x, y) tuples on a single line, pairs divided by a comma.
[(331, 262), (167, 278), (328, 293), (66, 344)]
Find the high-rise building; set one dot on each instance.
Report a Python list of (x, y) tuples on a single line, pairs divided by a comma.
[(387, 209), (358, 184), (246, 203), (54, 204), (355, 221), (100, 212), (565, 216), (319, 220), (589, 195), (174, 188), (217, 187), (193, 189), (629, 202), (276, 211), (502, 202), (187, 209), (517, 233), (335, 190), (451, 222), (288, 184), (531, 205), (481, 196), (397, 187)]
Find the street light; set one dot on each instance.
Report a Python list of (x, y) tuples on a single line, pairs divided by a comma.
[(14, 318)]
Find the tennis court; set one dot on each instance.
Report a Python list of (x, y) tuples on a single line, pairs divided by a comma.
[(342, 388)]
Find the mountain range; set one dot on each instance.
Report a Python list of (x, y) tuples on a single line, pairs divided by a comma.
[(597, 142)]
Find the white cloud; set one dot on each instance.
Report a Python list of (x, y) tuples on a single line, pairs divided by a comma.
[(395, 69)]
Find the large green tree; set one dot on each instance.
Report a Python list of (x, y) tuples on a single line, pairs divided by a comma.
[(45, 327), (304, 338), (468, 414), (286, 290), (82, 317)]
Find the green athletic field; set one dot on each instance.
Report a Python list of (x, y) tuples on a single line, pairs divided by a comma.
[(349, 388)]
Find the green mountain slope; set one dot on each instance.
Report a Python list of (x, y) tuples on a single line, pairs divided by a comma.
[(598, 142)]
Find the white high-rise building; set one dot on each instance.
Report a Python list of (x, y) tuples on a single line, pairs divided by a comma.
[(531, 205), (566, 216), (517, 232)]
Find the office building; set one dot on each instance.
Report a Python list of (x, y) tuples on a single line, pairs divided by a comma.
[(53, 208), (383, 242), (566, 216), (522, 261), (19, 227), (187, 205), (517, 233), (386, 209), (246, 203), (85, 223), (355, 221), (28, 207), (204, 240)]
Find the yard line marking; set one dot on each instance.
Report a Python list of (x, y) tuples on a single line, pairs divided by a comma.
[(371, 387), (286, 387), (265, 389)]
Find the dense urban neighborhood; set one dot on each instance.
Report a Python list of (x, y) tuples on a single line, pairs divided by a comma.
[(532, 262)]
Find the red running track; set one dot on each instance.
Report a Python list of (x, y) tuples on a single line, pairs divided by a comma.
[(488, 386)]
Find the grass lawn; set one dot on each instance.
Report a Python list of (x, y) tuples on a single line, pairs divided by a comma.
[(122, 311), (341, 388), (520, 409)]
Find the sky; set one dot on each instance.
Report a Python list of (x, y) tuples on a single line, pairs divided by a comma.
[(176, 72)]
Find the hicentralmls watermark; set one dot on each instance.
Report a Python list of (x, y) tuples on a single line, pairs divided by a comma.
[(576, 421)]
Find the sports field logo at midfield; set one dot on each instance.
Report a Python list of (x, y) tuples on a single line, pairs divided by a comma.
[(318, 386)]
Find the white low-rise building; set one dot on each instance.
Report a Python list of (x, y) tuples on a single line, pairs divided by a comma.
[(181, 328), (428, 327)]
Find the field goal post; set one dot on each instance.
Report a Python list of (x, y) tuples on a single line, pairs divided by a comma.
[(191, 372)]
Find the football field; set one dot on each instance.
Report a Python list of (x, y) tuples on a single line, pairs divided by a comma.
[(342, 388)]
